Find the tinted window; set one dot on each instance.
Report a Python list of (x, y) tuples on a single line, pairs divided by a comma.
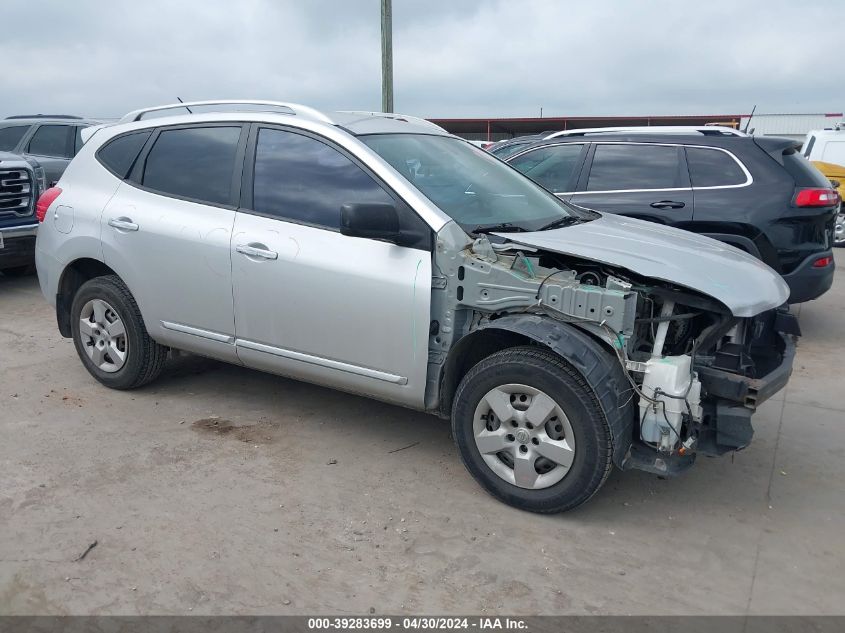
[(713, 168), (302, 179), (194, 163), (51, 140), (552, 167), (634, 167), (119, 154), (11, 136)]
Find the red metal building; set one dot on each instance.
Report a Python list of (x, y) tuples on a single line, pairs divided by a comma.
[(497, 129)]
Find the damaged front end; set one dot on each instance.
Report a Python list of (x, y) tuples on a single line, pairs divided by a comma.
[(688, 373)]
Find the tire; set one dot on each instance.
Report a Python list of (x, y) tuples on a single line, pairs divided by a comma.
[(19, 271), (126, 361), (516, 372), (839, 231)]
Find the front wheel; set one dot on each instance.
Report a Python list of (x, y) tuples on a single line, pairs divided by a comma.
[(839, 230), (530, 430), (110, 336)]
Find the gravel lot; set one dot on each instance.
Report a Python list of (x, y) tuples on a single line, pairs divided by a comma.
[(223, 490)]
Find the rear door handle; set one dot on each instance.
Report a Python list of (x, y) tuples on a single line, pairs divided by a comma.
[(124, 224), (256, 250), (667, 204)]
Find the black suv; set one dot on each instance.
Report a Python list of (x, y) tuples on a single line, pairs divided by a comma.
[(756, 193)]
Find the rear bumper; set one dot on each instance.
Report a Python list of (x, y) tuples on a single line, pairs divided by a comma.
[(807, 283), (18, 246)]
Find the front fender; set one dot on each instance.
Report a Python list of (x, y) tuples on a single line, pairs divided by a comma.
[(594, 360)]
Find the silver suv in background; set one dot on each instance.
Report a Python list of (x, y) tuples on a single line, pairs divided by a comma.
[(377, 254)]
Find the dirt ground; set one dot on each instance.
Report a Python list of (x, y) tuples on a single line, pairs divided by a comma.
[(223, 490)]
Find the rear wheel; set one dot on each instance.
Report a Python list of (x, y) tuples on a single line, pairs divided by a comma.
[(839, 230), (110, 336), (530, 430)]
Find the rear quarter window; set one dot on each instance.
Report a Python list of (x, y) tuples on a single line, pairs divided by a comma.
[(119, 154), (713, 168)]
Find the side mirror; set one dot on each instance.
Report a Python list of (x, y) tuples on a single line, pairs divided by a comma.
[(370, 219), (835, 184)]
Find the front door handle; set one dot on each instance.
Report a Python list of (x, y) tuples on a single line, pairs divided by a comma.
[(667, 204), (123, 223), (256, 250)]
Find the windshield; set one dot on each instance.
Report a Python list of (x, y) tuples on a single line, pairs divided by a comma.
[(474, 188)]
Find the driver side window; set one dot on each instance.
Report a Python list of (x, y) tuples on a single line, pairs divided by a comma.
[(303, 180)]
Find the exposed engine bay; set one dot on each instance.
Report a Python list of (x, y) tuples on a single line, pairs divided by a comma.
[(695, 372)]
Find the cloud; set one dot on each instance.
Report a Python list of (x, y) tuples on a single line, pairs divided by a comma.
[(467, 58)]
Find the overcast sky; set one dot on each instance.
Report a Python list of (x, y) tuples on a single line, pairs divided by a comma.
[(452, 58)]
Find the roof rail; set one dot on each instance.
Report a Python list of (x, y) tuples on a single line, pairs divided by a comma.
[(396, 117), (43, 116), (295, 108), (703, 130)]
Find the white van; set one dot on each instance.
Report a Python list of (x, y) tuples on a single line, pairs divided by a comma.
[(826, 150)]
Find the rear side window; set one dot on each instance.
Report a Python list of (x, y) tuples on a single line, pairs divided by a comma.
[(118, 155), (11, 136), (52, 140), (803, 172), (713, 168), (617, 167), (552, 167), (195, 163), (302, 179)]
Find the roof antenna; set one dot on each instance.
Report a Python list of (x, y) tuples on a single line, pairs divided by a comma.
[(189, 110), (747, 123)]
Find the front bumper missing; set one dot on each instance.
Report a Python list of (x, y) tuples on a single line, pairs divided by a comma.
[(745, 391), (730, 401)]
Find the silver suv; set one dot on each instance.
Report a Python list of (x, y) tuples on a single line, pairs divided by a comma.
[(377, 254)]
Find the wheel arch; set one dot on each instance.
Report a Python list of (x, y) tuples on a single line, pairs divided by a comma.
[(592, 358), (73, 276)]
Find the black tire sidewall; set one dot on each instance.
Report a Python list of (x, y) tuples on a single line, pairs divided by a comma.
[(592, 437), (108, 290)]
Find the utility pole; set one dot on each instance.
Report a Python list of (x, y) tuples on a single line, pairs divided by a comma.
[(386, 56)]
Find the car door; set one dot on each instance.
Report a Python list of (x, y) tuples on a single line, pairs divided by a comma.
[(555, 167), (167, 229), (52, 145), (648, 181), (347, 312)]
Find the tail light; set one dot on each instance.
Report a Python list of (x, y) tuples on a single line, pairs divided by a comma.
[(44, 202), (823, 262), (816, 198)]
